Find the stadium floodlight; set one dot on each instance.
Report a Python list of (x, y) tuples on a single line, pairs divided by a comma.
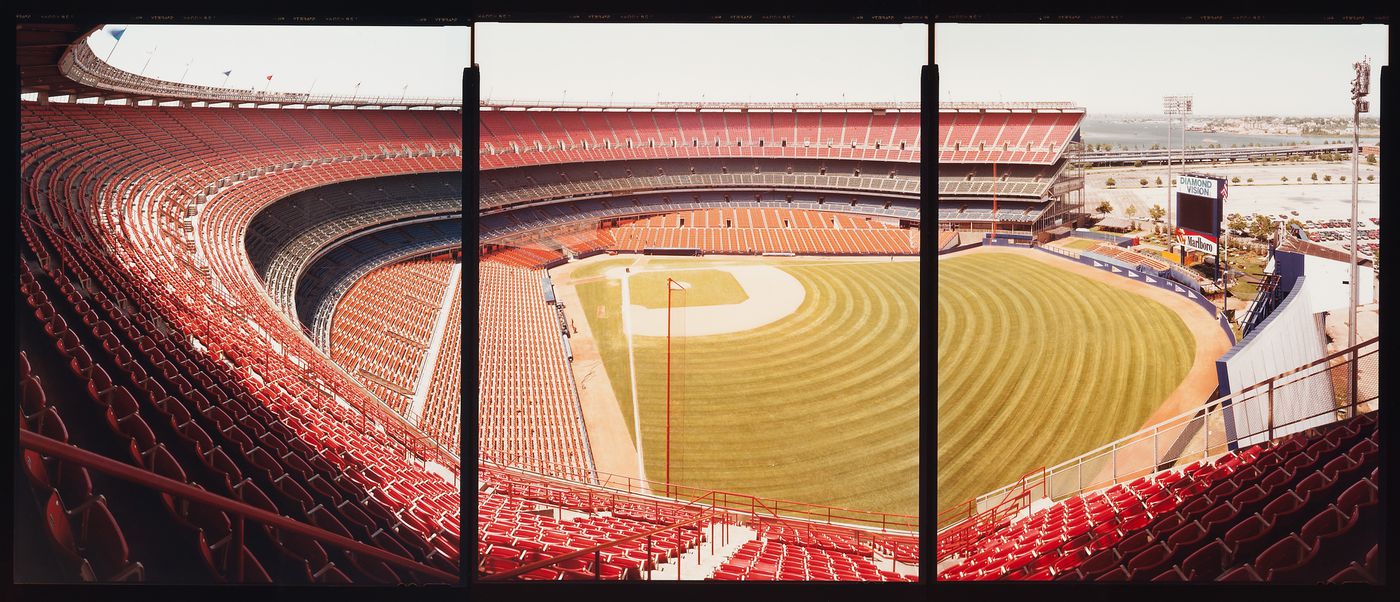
[(1360, 88), (1174, 105)]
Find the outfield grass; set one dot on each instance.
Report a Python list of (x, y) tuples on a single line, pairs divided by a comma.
[(1037, 365), (704, 287), (820, 406)]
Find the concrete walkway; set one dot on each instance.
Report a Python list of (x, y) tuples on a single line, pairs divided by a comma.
[(709, 561), (425, 372)]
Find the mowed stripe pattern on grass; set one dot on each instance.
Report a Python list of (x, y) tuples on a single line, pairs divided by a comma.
[(819, 407), (1037, 365)]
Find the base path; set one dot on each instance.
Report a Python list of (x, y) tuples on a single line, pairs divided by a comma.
[(773, 294), (1211, 343)]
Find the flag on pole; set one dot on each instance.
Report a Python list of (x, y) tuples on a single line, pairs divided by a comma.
[(269, 78), (117, 32), (227, 73)]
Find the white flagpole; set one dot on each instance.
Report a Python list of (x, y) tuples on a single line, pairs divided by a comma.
[(313, 86), (225, 84), (404, 94), (357, 91), (114, 47), (150, 54)]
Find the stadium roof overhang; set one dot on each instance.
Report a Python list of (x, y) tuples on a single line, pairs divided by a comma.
[(55, 61), (520, 105)]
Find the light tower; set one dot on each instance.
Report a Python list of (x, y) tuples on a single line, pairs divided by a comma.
[(1360, 88), (1174, 105)]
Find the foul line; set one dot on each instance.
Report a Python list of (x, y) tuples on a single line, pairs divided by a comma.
[(632, 369)]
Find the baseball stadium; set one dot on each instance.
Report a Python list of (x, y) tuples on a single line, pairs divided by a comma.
[(699, 341), (1101, 417), (236, 315)]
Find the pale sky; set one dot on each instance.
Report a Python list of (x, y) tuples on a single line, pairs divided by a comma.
[(712, 62), (333, 58), (1230, 69)]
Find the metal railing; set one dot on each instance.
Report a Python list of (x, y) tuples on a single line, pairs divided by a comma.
[(712, 504), (1008, 105), (705, 512), (965, 524), (1219, 426), (240, 510), (750, 505)]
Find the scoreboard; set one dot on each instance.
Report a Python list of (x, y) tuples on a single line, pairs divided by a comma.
[(1200, 202)]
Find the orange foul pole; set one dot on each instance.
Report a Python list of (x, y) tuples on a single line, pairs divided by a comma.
[(669, 289)]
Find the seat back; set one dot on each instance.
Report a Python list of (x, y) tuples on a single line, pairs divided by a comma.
[(1209, 561), (1285, 553), (1149, 562), (104, 542)]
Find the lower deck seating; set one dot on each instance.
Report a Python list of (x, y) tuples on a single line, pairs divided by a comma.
[(779, 561), (529, 415), (1301, 509), (521, 520)]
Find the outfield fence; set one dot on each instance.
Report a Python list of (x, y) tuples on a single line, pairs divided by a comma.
[(1350, 378)]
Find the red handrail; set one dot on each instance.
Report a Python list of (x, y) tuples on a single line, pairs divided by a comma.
[(978, 526), (705, 513), (772, 505), (100, 463)]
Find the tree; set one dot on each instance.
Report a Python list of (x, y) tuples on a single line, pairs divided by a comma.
[(1112, 183), (1235, 180), (1159, 180), (1251, 180), (1300, 179), (1370, 158), (1237, 223), (1371, 177), (1262, 228), (1327, 178), (1157, 212), (1283, 179), (1131, 211), (1142, 181), (1314, 176), (1137, 163), (1344, 178), (1105, 207)]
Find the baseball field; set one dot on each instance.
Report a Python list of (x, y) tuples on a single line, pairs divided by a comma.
[(1037, 365), (793, 378)]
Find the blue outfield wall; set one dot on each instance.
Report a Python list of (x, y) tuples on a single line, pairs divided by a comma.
[(1008, 240)]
